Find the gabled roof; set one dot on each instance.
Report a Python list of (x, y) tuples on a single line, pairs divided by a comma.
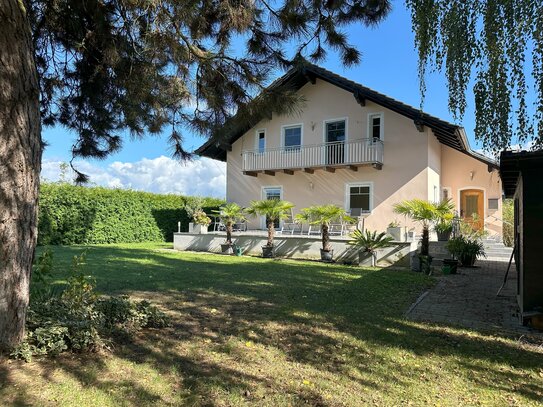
[(512, 163), (447, 133)]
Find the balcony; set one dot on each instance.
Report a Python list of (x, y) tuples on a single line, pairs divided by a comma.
[(326, 156)]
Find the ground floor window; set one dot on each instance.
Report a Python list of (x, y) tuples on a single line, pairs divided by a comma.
[(359, 198), (271, 193)]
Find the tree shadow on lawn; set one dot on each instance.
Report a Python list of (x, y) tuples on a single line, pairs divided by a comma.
[(332, 318)]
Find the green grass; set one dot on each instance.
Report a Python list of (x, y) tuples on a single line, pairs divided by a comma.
[(250, 331)]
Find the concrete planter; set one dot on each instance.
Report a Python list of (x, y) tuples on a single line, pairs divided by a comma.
[(327, 255), (443, 236), (425, 264), (399, 234), (366, 259), (226, 248), (451, 265), (200, 229), (268, 252)]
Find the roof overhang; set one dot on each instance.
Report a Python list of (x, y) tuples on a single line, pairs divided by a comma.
[(513, 163)]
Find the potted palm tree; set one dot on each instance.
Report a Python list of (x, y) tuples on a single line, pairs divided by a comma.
[(467, 249), (323, 216), (230, 214), (425, 213), (274, 210), (369, 242), (444, 226)]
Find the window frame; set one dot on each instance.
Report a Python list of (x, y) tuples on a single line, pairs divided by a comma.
[(283, 135), (334, 120), (369, 133), (348, 186), (449, 193), (263, 196), (257, 139)]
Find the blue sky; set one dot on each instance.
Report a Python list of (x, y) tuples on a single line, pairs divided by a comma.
[(389, 65)]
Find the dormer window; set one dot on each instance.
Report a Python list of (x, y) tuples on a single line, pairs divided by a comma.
[(375, 126)]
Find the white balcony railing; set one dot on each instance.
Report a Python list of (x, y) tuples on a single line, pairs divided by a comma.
[(336, 154)]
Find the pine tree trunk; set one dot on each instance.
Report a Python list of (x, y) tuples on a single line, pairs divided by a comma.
[(20, 161)]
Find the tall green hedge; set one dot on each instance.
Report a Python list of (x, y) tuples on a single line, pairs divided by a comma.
[(72, 214)]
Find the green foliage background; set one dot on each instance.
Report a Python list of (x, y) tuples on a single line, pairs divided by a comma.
[(508, 215), (72, 214)]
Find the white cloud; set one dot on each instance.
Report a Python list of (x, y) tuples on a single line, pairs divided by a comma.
[(163, 175)]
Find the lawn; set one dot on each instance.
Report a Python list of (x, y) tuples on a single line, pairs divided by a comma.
[(249, 331)]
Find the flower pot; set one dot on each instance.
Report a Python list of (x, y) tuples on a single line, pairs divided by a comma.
[(327, 255), (200, 229), (425, 264), (226, 248), (366, 259), (238, 251), (399, 234), (268, 252), (468, 260), (451, 265), (443, 236)]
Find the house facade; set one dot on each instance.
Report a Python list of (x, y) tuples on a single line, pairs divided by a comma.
[(354, 147)]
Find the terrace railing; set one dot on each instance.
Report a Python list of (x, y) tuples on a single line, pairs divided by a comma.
[(335, 154)]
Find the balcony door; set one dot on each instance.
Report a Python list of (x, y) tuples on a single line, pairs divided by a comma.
[(335, 142)]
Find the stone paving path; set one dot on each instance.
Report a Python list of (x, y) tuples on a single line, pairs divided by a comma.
[(469, 299)]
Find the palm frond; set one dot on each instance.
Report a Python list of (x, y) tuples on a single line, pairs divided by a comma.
[(273, 209), (370, 241)]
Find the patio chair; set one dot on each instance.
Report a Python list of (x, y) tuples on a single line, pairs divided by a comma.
[(348, 226), (218, 226), (240, 226), (291, 225)]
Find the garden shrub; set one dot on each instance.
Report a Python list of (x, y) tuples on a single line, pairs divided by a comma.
[(71, 214), (76, 318)]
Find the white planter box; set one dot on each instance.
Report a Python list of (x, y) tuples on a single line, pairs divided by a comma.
[(200, 229), (398, 234), (366, 259)]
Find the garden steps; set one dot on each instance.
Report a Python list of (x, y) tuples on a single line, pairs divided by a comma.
[(496, 250)]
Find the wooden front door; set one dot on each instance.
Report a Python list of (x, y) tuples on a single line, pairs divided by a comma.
[(472, 207)]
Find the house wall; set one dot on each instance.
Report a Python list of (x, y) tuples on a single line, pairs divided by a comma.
[(404, 174), (531, 276), (456, 174), (434, 169), (415, 163)]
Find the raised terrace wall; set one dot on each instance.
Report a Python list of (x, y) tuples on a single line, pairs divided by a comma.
[(295, 247)]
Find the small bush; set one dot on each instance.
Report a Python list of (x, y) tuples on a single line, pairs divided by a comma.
[(121, 312), (76, 319)]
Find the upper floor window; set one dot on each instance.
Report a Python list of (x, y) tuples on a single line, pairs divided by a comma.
[(375, 125), (292, 137), (261, 140)]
